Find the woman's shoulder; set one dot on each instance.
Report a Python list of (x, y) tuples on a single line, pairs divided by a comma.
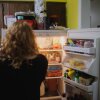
[(40, 61), (41, 57)]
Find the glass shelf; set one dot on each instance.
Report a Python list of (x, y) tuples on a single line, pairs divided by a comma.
[(51, 96), (54, 77)]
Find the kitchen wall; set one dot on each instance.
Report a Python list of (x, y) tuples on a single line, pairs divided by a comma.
[(72, 13), (95, 13), (78, 14)]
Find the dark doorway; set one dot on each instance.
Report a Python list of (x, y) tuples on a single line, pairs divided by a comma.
[(56, 11)]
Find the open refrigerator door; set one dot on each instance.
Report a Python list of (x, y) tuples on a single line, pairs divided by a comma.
[(81, 75)]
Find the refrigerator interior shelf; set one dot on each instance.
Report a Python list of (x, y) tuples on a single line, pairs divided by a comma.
[(44, 50), (54, 77), (51, 64), (80, 86), (51, 96), (91, 50)]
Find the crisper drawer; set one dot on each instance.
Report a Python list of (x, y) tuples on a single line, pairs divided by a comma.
[(80, 86), (74, 93)]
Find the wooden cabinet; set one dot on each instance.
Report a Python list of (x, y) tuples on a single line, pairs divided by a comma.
[(9, 8), (12, 7), (1, 16), (56, 11)]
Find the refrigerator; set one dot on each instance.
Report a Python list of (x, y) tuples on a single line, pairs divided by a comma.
[(82, 64), (50, 44), (74, 63)]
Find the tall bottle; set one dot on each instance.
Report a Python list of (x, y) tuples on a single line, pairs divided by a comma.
[(76, 79)]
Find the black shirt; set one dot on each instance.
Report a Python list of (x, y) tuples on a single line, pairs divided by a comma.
[(23, 83)]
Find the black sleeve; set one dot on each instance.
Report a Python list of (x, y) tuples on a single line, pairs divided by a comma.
[(2, 67), (43, 65)]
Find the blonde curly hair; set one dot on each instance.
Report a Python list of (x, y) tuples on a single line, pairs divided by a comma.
[(19, 43)]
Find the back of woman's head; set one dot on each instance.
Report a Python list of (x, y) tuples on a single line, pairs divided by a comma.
[(19, 42)]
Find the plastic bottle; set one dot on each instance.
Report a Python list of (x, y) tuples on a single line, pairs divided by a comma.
[(65, 74), (76, 79)]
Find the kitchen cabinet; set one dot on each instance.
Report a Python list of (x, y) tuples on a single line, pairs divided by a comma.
[(53, 8)]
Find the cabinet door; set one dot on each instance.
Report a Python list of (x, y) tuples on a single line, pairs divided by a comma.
[(56, 11), (1, 16), (12, 7), (9, 8), (53, 9)]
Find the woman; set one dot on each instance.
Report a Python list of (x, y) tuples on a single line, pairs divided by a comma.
[(22, 68)]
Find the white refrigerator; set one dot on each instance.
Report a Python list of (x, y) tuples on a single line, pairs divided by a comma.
[(79, 52)]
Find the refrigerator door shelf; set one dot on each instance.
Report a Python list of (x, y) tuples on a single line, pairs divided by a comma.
[(91, 50), (89, 70), (80, 54), (78, 85)]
